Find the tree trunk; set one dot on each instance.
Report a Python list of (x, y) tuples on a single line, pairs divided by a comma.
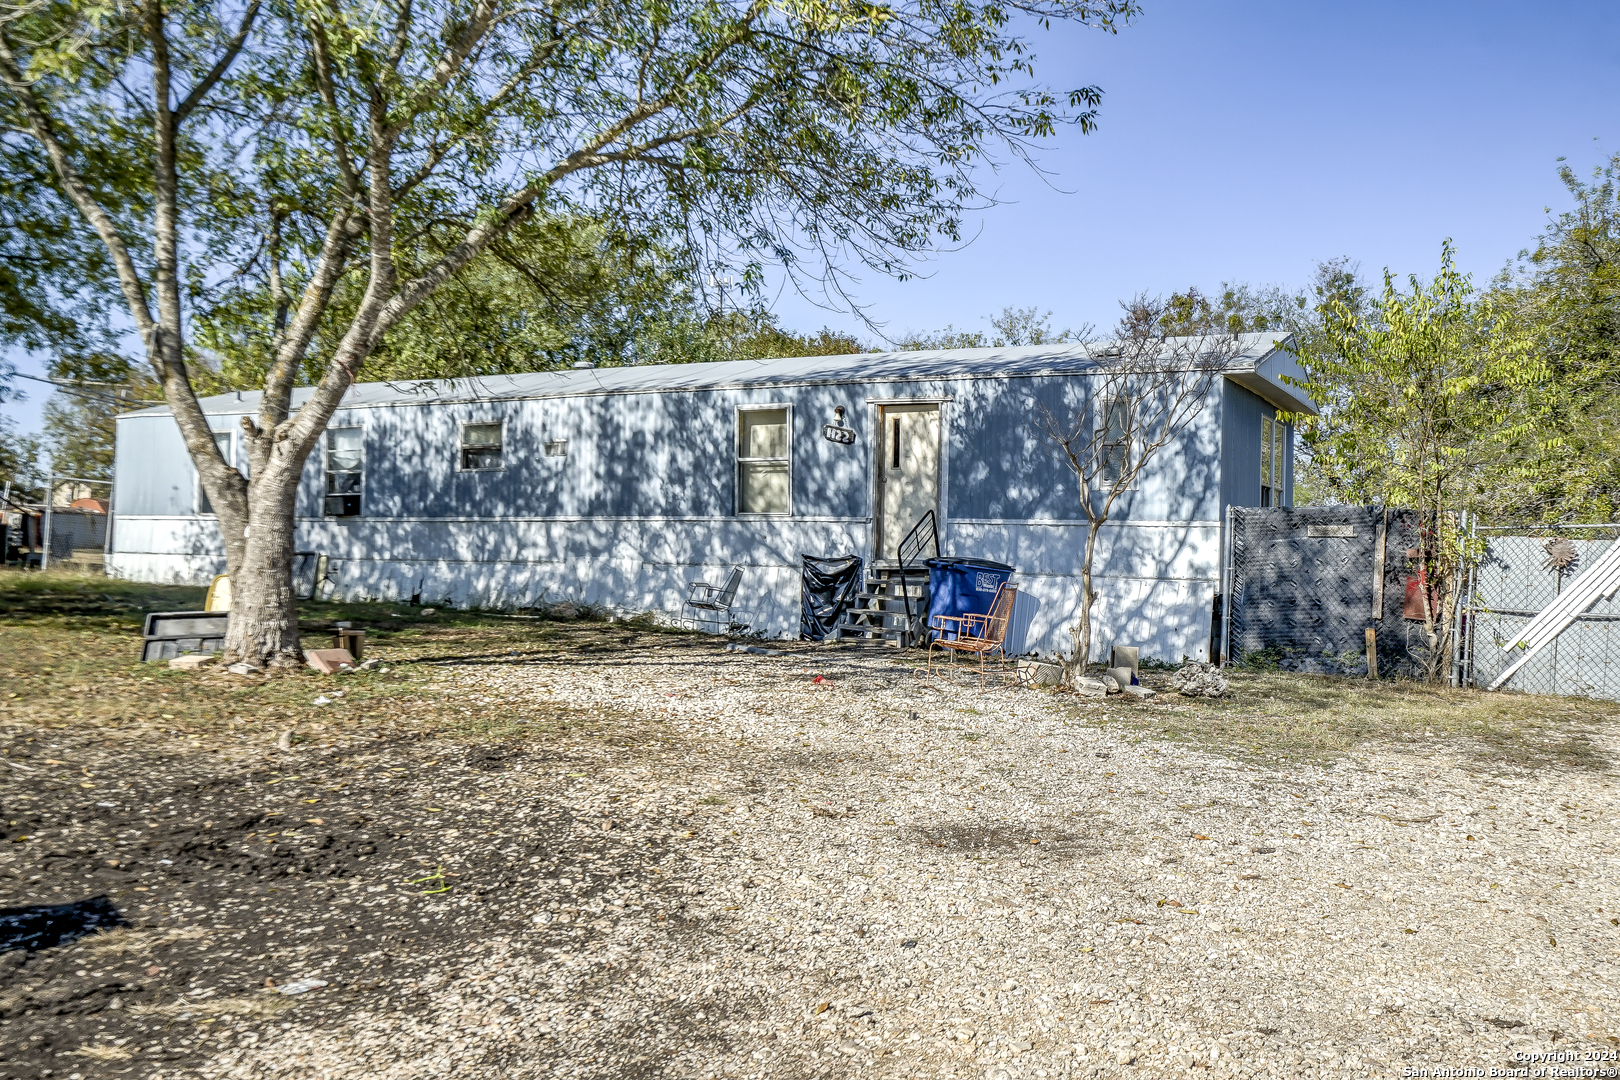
[(263, 630), (1437, 580), (1081, 631)]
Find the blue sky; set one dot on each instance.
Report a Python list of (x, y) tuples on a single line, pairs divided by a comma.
[(1248, 141)]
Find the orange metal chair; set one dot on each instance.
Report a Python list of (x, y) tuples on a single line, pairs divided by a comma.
[(978, 635)]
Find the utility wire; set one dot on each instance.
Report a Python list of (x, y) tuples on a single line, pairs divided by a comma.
[(74, 388)]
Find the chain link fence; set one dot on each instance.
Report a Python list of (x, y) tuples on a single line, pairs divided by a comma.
[(1306, 583), (1521, 572)]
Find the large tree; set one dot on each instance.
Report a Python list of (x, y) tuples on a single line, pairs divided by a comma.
[(57, 289), (1565, 294), (1424, 392), (353, 158), (556, 290)]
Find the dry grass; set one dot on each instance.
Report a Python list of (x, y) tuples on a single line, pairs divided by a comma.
[(70, 645), (1282, 716), (261, 1006), (101, 1052), (124, 941)]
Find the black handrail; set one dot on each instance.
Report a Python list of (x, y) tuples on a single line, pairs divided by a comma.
[(911, 547)]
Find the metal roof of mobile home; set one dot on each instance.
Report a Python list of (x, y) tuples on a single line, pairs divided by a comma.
[(1254, 366)]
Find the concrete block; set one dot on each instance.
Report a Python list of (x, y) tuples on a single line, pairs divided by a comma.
[(1126, 656), (346, 637), (1122, 675), (329, 661), (1137, 691), (190, 661), (1086, 686), (1037, 673)]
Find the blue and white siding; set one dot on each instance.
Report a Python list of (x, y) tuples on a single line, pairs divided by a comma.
[(644, 502)]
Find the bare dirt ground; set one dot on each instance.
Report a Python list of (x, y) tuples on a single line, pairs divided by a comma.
[(616, 853)]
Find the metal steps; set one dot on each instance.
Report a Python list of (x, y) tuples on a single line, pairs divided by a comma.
[(880, 610)]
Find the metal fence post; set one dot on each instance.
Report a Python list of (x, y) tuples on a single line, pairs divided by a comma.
[(1226, 592), (107, 538), (45, 526), (1458, 655)]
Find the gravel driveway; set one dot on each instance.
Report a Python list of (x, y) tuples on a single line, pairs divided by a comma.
[(821, 864)]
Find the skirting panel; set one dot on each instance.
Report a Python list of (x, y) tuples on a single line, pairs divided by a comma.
[(631, 567)]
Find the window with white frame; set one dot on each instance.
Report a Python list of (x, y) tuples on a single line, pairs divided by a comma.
[(1272, 434), (1114, 423), (481, 446), (345, 472), (227, 447), (764, 461), (1281, 433)]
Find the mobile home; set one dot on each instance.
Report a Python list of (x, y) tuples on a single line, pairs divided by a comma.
[(619, 486)]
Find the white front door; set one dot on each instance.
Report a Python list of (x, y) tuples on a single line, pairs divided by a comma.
[(908, 472)]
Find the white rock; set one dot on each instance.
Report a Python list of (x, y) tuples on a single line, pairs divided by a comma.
[(1039, 673), (741, 906), (301, 986), (1200, 680)]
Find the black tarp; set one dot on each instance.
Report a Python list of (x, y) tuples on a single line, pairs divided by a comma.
[(827, 586)]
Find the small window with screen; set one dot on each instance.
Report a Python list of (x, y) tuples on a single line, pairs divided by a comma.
[(1115, 440), (480, 447), (764, 461), (345, 473)]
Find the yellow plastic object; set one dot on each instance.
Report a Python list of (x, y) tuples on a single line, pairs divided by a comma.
[(219, 594)]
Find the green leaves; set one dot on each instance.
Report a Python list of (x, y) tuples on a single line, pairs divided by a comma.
[(1511, 390), (1427, 395), (800, 133), (1414, 387), (1565, 296), (835, 16), (322, 191)]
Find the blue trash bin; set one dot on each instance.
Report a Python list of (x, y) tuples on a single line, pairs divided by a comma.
[(962, 587)]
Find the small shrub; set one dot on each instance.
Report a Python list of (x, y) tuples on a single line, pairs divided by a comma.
[(1261, 660)]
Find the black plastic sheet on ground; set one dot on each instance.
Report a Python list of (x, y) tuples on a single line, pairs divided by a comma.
[(46, 926), (827, 587)]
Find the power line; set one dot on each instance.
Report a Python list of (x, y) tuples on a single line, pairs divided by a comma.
[(75, 388)]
